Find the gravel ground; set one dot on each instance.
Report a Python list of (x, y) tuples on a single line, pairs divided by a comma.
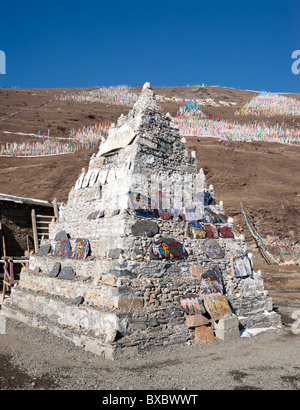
[(34, 359)]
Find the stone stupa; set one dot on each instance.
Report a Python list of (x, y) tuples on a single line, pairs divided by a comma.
[(141, 255)]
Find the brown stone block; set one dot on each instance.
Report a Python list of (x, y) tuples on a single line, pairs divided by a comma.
[(130, 303), (110, 281), (203, 335), (193, 321), (111, 336), (197, 271)]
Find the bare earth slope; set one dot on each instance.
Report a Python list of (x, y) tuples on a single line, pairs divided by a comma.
[(264, 177)]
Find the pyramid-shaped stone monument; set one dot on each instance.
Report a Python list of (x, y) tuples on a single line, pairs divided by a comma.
[(142, 255)]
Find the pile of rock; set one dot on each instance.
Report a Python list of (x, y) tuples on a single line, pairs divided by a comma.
[(141, 249)]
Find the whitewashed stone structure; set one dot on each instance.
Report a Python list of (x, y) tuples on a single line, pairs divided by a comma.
[(130, 285)]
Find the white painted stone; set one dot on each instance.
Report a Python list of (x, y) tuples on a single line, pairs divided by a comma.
[(93, 178), (86, 179), (102, 176), (79, 181)]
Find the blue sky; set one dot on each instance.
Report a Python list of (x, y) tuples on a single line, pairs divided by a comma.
[(243, 44)]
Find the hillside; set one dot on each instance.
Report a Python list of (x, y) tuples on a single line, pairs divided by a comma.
[(265, 177)]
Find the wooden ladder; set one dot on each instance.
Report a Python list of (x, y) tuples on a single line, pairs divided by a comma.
[(40, 225)]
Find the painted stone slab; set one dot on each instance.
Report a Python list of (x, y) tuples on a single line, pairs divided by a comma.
[(242, 266), (210, 216), (195, 224), (167, 248), (212, 282), (212, 231), (192, 213), (192, 304), (117, 138), (66, 273), (145, 228), (205, 198), (80, 248), (217, 306), (165, 206), (225, 232), (61, 248), (213, 249), (142, 205), (195, 231), (55, 270), (44, 250), (62, 236)]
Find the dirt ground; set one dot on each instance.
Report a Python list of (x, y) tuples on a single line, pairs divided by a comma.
[(264, 177), (32, 359)]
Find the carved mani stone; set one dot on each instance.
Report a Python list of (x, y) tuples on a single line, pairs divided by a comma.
[(217, 306), (145, 228), (167, 248), (44, 250), (66, 273), (213, 249), (61, 236), (192, 304), (55, 270)]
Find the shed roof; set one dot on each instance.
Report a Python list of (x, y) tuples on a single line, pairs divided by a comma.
[(26, 201)]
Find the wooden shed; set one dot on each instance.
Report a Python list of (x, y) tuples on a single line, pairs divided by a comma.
[(24, 222)]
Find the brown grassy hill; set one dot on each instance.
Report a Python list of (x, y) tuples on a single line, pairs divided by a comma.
[(264, 177)]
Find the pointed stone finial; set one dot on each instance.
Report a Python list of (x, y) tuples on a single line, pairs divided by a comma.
[(146, 86)]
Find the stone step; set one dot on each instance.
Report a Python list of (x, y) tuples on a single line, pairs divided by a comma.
[(94, 295), (94, 344), (88, 327), (61, 311)]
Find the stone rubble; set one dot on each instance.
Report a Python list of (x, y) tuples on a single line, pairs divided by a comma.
[(139, 230)]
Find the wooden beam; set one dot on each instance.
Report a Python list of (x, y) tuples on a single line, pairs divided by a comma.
[(34, 229)]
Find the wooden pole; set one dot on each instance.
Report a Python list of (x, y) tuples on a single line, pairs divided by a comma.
[(1, 247), (5, 286), (55, 209), (34, 229)]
